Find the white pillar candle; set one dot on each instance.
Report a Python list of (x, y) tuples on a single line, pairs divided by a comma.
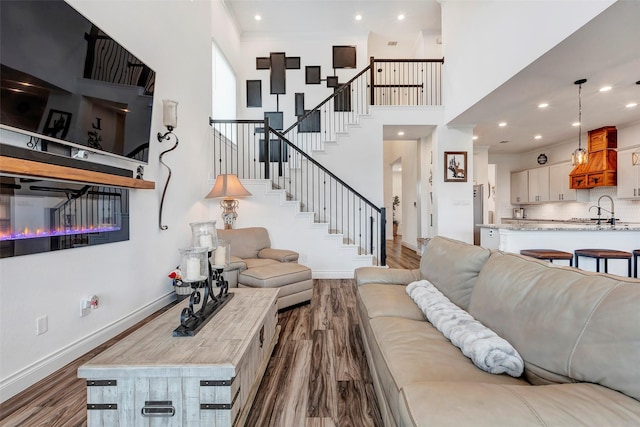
[(170, 113), (220, 257), (193, 269), (206, 241)]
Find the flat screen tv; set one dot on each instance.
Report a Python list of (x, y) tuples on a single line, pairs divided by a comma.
[(66, 81)]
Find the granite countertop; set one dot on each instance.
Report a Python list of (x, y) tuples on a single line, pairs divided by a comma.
[(565, 226)]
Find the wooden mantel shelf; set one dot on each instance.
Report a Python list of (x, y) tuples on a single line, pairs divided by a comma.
[(15, 166)]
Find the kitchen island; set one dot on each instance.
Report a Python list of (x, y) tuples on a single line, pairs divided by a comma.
[(564, 236)]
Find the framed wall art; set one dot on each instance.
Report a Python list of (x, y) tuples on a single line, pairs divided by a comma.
[(58, 123), (455, 166)]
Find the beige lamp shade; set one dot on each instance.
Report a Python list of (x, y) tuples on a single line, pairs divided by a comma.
[(227, 186)]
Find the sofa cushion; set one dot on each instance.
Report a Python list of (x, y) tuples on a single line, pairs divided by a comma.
[(383, 275), (490, 405), (246, 242), (275, 275), (258, 262), (387, 300), (453, 266), (408, 351), (567, 324)]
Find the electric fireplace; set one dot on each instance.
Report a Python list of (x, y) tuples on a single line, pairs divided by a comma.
[(42, 216)]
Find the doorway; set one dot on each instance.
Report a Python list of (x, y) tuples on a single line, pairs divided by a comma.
[(396, 191)]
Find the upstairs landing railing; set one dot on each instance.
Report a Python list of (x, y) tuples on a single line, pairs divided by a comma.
[(384, 82)]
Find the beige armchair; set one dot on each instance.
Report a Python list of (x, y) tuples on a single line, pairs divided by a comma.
[(258, 265)]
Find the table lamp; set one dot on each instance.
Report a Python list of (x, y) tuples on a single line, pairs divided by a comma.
[(228, 187)]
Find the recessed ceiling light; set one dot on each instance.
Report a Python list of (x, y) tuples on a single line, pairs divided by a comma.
[(400, 17), (538, 137), (475, 137), (358, 17), (575, 124), (400, 133), (631, 105), (605, 88), (543, 105), (502, 124), (257, 18)]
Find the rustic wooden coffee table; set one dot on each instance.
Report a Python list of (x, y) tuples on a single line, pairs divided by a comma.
[(153, 378)]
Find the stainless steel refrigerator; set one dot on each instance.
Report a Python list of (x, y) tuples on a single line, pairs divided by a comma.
[(478, 200)]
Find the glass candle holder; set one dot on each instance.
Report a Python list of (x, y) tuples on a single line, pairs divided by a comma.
[(204, 234), (222, 254), (194, 264)]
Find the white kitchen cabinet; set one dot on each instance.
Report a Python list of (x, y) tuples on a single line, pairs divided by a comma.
[(628, 176), (538, 183), (519, 187), (560, 185)]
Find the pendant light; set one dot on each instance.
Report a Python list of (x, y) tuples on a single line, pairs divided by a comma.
[(579, 157)]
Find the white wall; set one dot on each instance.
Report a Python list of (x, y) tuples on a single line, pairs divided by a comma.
[(453, 201), (130, 277), (422, 45), (425, 188), (312, 51), (487, 42)]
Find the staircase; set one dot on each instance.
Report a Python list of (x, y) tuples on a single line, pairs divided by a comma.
[(314, 195)]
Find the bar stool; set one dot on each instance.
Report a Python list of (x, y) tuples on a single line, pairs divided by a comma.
[(548, 254), (636, 254), (605, 254)]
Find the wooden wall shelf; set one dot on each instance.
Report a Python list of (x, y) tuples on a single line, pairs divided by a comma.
[(10, 165)]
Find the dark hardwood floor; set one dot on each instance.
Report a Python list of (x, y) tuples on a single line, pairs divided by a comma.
[(317, 375), (399, 256)]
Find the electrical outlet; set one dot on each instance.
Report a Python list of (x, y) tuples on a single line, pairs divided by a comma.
[(42, 325), (85, 307)]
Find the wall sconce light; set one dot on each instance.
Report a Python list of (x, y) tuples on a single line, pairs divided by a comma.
[(635, 158), (228, 186), (170, 120), (580, 156)]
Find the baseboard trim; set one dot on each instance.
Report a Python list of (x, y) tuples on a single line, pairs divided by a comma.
[(26, 377), (333, 274)]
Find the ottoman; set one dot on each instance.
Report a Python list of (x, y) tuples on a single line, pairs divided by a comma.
[(292, 279)]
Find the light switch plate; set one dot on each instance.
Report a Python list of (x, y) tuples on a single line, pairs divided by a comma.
[(42, 325)]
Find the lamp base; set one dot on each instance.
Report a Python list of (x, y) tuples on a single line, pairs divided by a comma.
[(229, 213)]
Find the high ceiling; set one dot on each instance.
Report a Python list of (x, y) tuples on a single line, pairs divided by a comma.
[(335, 16), (606, 51)]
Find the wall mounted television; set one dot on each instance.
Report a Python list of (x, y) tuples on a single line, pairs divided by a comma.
[(67, 82)]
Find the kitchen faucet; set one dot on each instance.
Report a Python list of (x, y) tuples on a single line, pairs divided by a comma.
[(612, 221)]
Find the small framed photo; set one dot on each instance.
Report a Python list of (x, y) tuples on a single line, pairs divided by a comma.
[(263, 63), (312, 74), (292, 63), (455, 163), (57, 125)]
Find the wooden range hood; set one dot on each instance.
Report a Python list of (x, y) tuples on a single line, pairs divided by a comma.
[(601, 168)]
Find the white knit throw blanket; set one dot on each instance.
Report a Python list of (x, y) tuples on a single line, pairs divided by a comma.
[(484, 347)]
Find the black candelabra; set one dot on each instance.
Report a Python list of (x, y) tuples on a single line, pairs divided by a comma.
[(193, 318)]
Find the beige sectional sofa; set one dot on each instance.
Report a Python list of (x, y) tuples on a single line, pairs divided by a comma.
[(577, 332)]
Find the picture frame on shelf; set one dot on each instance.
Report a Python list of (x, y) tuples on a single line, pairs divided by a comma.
[(57, 124), (455, 166)]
